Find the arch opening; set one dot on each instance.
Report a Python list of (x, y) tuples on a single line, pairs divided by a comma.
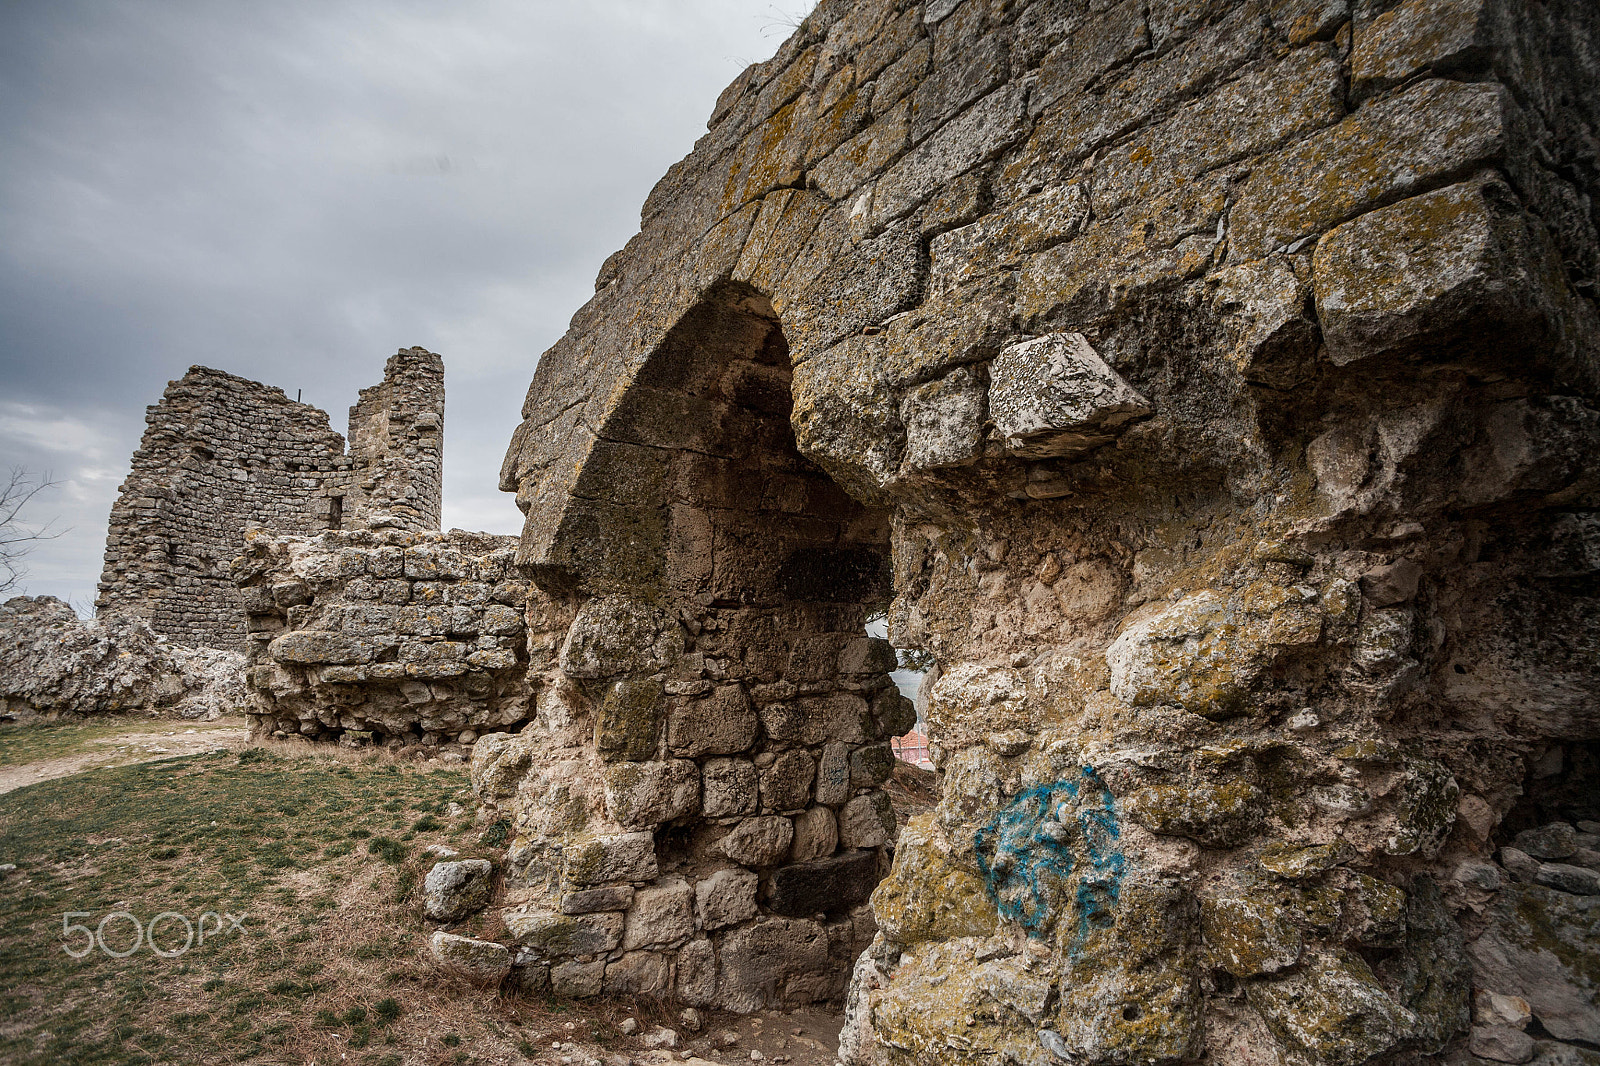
[(695, 505)]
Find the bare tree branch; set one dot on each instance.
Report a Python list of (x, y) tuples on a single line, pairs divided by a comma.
[(16, 490)]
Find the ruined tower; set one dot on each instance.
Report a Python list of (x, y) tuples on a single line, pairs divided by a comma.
[(221, 452), (1220, 380)]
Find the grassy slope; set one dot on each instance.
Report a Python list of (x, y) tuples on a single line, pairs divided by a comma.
[(323, 855)]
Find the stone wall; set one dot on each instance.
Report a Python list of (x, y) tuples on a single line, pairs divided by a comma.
[(54, 663), (1225, 376), (413, 641), (221, 452)]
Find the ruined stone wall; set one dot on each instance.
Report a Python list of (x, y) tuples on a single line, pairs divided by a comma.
[(221, 452), (1227, 373), (54, 663), (405, 640), (699, 809), (397, 445)]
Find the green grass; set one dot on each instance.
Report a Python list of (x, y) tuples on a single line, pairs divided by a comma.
[(253, 834)]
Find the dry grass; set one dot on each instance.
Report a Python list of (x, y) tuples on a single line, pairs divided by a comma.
[(322, 851)]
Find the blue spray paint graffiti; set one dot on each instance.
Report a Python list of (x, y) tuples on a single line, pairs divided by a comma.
[(1036, 846)]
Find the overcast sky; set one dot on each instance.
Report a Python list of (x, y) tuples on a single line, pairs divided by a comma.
[(293, 189)]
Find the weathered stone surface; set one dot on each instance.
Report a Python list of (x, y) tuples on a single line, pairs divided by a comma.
[(833, 775), (867, 821), (760, 841), (1336, 174), (614, 635), (638, 973), (649, 793), (1500, 1043), (624, 857), (1448, 39), (480, 961), (931, 896), (757, 960), (1334, 1010), (726, 898), (578, 980), (729, 788), (720, 724), (976, 135), (50, 662), (1450, 275), (1557, 840), (697, 973), (1055, 396), (592, 900), (552, 935), (816, 834), (661, 916), (944, 422), (786, 784), (808, 888), (1233, 668), (629, 722), (1249, 933), (453, 890)]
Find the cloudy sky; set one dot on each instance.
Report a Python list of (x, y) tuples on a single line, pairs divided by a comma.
[(293, 189)]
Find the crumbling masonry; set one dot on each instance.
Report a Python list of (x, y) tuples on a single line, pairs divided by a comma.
[(1212, 386), (222, 453)]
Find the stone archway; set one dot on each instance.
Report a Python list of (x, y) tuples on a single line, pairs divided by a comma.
[(712, 822)]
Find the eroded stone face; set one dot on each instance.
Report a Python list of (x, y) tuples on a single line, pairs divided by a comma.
[(1211, 390)]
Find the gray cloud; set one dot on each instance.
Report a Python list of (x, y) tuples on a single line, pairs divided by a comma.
[(291, 191)]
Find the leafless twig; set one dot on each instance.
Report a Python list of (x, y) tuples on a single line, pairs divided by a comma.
[(16, 491)]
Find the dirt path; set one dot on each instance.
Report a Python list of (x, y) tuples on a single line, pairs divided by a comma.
[(124, 748)]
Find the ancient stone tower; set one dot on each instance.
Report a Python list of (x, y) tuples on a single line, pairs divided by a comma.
[(1212, 386), (222, 452)]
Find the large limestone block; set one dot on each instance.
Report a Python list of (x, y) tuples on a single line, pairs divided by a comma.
[(971, 700), (1333, 1010), (453, 890), (930, 894), (1448, 38), (1204, 652), (1386, 150), (816, 834), (757, 961), (728, 788), (1541, 945), (861, 286), (1055, 396), (615, 635), (638, 973), (480, 961), (720, 724), (867, 821), (786, 784), (315, 646), (623, 857), (976, 135), (760, 841), (1249, 933), (825, 885), (629, 720), (726, 898), (661, 916), (1450, 275), (640, 794), (553, 935)]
